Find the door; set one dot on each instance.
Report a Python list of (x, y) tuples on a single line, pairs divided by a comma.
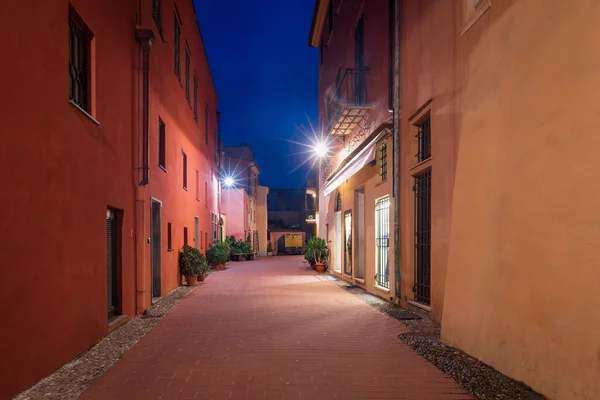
[(359, 61), (196, 235), (348, 243), (112, 264), (422, 190), (382, 242), (156, 241), (359, 258), (338, 242)]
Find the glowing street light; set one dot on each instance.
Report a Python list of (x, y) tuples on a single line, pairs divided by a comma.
[(229, 181), (320, 149)]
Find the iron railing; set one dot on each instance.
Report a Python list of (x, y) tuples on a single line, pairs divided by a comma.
[(349, 93), (422, 189)]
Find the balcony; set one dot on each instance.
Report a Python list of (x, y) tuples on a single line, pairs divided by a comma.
[(310, 215), (349, 104)]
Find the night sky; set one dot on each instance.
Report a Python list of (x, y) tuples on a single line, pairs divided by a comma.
[(266, 78)]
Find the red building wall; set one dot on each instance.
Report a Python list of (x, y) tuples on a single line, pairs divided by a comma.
[(63, 168)]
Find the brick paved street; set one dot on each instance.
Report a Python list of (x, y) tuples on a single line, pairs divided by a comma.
[(272, 329)]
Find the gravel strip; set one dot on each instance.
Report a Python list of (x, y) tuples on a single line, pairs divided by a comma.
[(481, 380), (69, 381)]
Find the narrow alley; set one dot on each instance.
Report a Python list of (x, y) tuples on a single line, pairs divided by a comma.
[(273, 329)]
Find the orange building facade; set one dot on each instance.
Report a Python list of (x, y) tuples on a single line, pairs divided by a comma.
[(110, 167)]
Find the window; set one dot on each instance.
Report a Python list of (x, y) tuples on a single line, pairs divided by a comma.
[(156, 15), (176, 44), (201, 243), (330, 15), (162, 145), (422, 235), (187, 73), (206, 194), (184, 170), (338, 202), (195, 97), (424, 140), (185, 237), (79, 62), (206, 238), (206, 124), (197, 185), (383, 157), (382, 242), (169, 238)]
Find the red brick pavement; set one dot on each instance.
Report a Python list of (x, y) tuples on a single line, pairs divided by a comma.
[(272, 329)]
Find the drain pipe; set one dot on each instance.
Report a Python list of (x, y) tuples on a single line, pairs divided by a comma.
[(396, 157), (146, 39)]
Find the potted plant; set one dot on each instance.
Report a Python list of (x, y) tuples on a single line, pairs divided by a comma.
[(269, 249), (204, 267), (217, 255), (190, 262), (317, 253)]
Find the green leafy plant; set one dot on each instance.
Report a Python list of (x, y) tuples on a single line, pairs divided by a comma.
[(269, 247), (239, 246), (191, 261), (218, 253), (316, 251)]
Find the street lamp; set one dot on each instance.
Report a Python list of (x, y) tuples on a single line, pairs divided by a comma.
[(229, 181), (320, 149)]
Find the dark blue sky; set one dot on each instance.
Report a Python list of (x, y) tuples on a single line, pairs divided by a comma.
[(266, 78)]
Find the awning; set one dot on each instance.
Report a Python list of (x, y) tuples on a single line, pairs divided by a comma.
[(362, 158)]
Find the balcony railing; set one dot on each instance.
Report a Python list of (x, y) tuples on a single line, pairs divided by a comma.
[(310, 215), (348, 103)]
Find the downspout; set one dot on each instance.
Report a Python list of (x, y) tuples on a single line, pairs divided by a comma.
[(146, 39), (396, 157)]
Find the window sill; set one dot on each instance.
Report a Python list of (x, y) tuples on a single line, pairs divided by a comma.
[(381, 183), (419, 305), (359, 280), (94, 120), (421, 164), (163, 168), (185, 189), (170, 250), (475, 17), (381, 288)]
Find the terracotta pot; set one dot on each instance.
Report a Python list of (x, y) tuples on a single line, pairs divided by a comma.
[(201, 277), (192, 280), (320, 267)]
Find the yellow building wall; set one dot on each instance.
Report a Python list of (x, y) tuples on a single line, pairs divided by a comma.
[(523, 278), (261, 218)]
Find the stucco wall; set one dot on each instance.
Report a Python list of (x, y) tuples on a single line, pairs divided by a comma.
[(261, 219), (234, 203), (522, 282)]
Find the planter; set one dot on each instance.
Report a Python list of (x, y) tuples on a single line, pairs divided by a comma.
[(270, 253), (192, 280), (201, 277), (320, 267)]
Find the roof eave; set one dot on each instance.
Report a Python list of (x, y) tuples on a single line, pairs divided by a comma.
[(316, 25)]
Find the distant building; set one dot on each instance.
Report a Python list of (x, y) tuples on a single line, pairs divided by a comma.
[(244, 203)]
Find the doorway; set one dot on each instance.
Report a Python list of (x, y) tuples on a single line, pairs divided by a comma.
[(112, 263), (196, 236), (348, 243), (359, 258), (382, 242), (422, 203), (338, 242), (155, 236)]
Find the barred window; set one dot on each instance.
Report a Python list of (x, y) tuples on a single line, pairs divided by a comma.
[(177, 44), (383, 157), (156, 15), (424, 140), (195, 98), (79, 63), (187, 73), (206, 123)]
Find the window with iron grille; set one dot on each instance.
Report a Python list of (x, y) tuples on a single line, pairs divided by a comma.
[(79, 63), (187, 73), (184, 170), (206, 124), (382, 242), (197, 185), (195, 97), (422, 212), (338, 202), (162, 145), (383, 155), (424, 140), (177, 45), (157, 16), (185, 237)]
